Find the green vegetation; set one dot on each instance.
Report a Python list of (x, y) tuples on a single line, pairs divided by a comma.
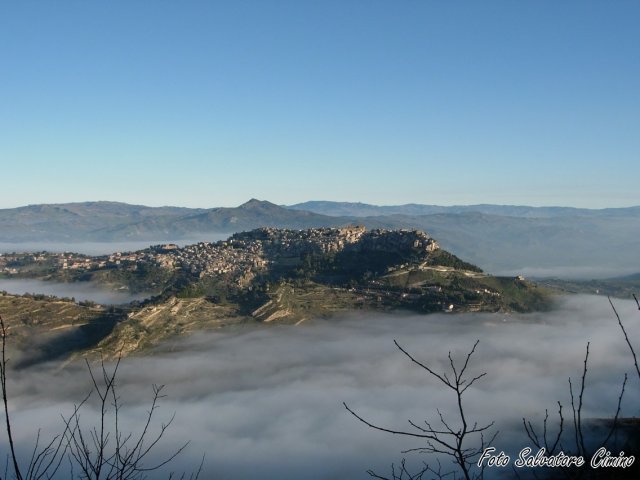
[(210, 288), (145, 277), (443, 258)]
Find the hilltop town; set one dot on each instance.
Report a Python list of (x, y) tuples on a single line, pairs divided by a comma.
[(238, 259), (266, 275)]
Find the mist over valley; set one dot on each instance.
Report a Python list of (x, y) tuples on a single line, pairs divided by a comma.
[(79, 291), (267, 403)]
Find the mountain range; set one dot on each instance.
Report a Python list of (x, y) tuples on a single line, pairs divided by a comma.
[(541, 241), (358, 209)]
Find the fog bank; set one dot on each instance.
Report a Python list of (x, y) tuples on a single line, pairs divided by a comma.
[(103, 248), (570, 272), (267, 403), (80, 291)]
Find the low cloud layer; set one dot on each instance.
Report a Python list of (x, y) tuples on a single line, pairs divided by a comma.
[(80, 291), (266, 403), (103, 248), (570, 272)]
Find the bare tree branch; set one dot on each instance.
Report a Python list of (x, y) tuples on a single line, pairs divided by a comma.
[(125, 460), (447, 440), (101, 452), (3, 381), (626, 337)]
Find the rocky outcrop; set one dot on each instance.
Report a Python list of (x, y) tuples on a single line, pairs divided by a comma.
[(403, 241)]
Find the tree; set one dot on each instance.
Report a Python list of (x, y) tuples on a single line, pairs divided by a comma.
[(553, 443), (624, 332), (459, 438), (101, 452)]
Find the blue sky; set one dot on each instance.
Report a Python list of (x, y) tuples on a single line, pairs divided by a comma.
[(210, 103)]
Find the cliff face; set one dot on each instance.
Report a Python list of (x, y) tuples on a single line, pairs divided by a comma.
[(283, 242), (401, 241), (287, 242)]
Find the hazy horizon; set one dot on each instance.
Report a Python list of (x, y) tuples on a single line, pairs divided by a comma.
[(103, 248), (302, 201), (80, 291)]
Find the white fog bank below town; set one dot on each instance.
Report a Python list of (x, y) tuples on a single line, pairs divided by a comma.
[(267, 403)]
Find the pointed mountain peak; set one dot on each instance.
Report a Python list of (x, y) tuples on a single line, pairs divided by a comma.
[(255, 203)]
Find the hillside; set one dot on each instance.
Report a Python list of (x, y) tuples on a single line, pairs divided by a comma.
[(44, 328), (78, 221), (272, 275)]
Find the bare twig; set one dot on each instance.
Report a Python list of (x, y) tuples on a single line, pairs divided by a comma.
[(626, 337), (3, 381), (576, 408), (402, 473), (98, 453), (614, 424), (44, 462), (125, 460), (543, 441), (446, 440)]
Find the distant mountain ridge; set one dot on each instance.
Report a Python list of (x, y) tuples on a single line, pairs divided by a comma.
[(365, 210), (248, 216), (76, 221), (541, 241), (112, 221)]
